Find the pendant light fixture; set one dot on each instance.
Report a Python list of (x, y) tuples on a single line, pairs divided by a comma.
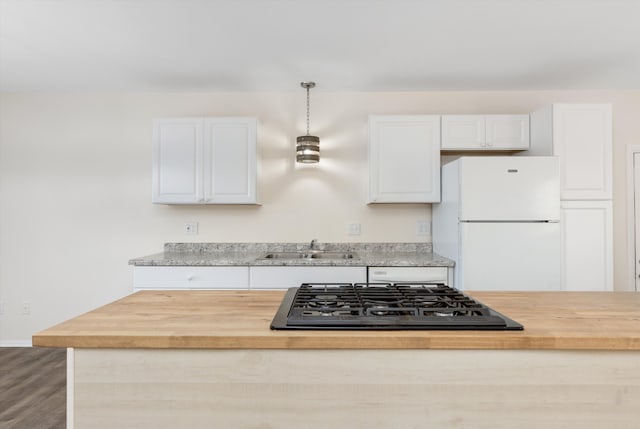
[(307, 146)]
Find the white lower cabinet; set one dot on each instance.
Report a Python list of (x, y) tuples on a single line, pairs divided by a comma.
[(286, 277), (181, 277), (409, 274), (587, 245), (275, 277)]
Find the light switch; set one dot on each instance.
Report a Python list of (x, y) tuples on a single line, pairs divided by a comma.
[(353, 228), (423, 227)]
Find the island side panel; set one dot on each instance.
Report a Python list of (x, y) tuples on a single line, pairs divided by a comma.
[(137, 388), (71, 383)]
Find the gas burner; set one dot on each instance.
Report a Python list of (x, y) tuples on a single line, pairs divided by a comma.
[(382, 300), (326, 312), (378, 310), (383, 310), (429, 301), (326, 301), (326, 297)]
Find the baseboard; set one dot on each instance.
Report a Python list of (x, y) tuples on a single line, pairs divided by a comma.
[(15, 344)]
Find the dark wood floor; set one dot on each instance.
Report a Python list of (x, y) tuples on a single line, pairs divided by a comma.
[(33, 388)]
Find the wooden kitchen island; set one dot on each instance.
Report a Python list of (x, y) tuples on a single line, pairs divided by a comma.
[(207, 359)]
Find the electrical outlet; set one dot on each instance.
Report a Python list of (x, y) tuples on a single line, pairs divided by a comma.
[(191, 228), (353, 228), (26, 308), (423, 227)]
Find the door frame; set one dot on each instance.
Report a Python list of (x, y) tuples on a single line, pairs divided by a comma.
[(632, 149)]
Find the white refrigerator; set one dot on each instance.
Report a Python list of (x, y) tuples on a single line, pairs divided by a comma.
[(499, 220)]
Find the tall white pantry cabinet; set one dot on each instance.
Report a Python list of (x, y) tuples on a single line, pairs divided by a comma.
[(580, 135), (204, 160)]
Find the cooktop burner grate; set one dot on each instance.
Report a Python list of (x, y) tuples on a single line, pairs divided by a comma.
[(385, 306)]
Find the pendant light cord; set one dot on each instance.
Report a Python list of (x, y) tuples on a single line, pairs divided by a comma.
[(307, 110)]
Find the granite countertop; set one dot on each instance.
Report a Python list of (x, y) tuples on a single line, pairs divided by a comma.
[(241, 254), (215, 319)]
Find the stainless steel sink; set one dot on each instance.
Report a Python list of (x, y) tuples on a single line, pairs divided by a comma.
[(312, 254), (285, 255), (332, 255)]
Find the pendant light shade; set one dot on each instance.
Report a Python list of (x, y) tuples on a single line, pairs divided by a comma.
[(308, 146), (307, 149)]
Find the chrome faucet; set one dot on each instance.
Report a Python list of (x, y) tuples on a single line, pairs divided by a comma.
[(313, 244)]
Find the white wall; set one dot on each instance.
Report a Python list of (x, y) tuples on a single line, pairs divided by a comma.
[(75, 184)]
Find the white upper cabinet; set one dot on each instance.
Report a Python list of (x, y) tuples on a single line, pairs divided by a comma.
[(507, 132), (581, 136), (177, 161), (230, 160), (404, 159), (485, 132), (463, 132), (204, 161)]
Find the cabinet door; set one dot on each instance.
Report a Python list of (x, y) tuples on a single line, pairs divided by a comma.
[(582, 138), (404, 159), (287, 277), (408, 274), (463, 132), (507, 132), (196, 277), (230, 160), (177, 161), (587, 245)]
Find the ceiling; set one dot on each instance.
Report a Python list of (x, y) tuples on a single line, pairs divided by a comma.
[(343, 45)]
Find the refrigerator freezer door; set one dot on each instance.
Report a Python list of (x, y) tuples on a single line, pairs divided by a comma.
[(509, 188), (509, 256)]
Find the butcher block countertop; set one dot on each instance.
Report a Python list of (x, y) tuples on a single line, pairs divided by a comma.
[(207, 319)]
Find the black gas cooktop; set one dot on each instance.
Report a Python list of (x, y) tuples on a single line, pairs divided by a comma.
[(385, 306)]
